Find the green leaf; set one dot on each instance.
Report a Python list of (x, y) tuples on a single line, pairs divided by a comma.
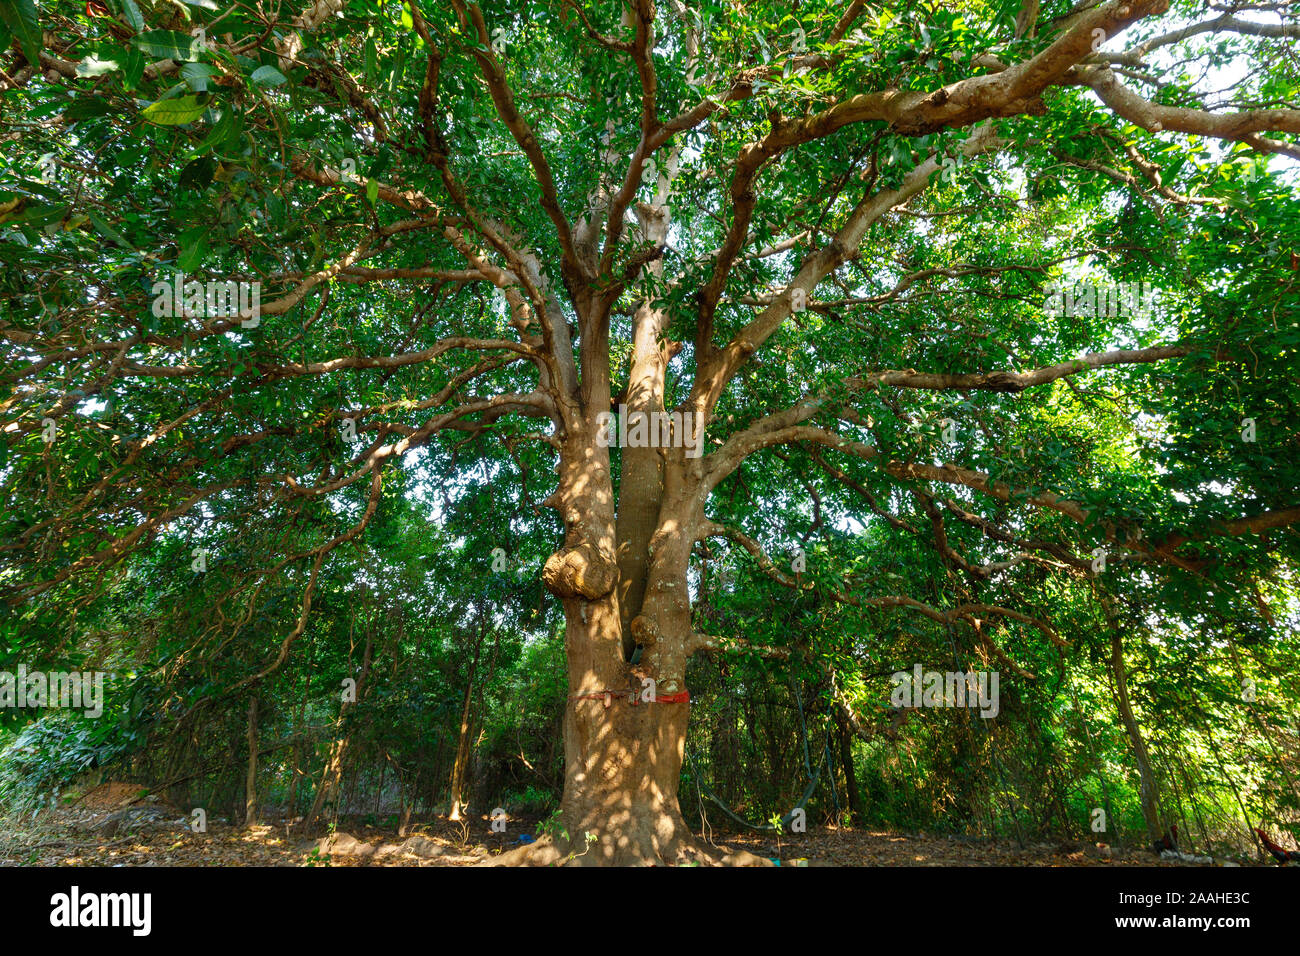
[(20, 17), (198, 174), (133, 69), (86, 107), (216, 135), (133, 16), (177, 112), (372, 190), (268, 76), (194, 246), (371, 60), (169, 44), (196, 75), (108, 232)]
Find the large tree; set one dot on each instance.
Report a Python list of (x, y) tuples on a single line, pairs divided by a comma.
[(822, 235)]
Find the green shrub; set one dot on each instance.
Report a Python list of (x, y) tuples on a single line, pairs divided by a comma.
[(51, 752)]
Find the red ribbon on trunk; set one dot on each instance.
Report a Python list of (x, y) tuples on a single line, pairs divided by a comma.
[(682, 697)]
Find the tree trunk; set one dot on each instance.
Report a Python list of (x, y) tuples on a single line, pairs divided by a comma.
[(625, 722), (623, 754), (850, 774), (622, 759), (333, 771), (1147, 790), (460, 766), (250, 781), (296, 770), (408, 805)]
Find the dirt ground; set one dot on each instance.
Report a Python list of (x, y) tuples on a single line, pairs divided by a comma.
[(111, 826)]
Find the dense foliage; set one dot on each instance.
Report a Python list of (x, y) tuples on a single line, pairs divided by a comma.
[(923, 465)]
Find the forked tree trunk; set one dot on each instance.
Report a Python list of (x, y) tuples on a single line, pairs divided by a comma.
[(623, 754), (621, 575)]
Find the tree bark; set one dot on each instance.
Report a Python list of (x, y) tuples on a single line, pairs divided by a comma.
[(622, 759), (642, 471)]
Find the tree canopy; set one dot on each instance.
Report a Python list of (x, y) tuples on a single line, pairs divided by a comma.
[(977, 325)]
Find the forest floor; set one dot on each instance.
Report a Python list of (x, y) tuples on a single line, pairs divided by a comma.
[(99, 830)]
